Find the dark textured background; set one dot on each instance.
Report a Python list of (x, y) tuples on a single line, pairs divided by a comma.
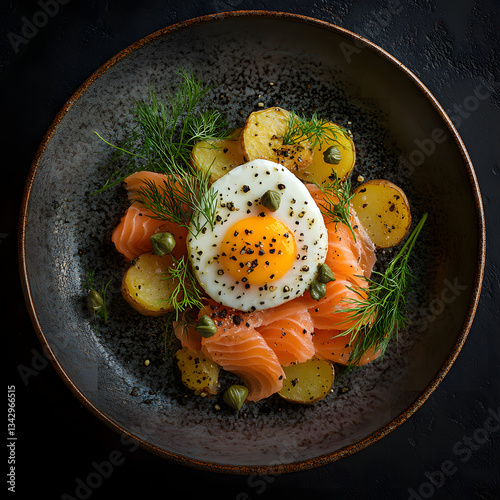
[(453, 47)]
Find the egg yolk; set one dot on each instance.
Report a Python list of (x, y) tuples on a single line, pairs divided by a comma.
[(257, 250)]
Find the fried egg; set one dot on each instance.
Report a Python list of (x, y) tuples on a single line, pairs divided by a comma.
[(257, 257)]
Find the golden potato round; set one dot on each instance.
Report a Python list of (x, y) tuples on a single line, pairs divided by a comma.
[(144, 285), (319, 170), (384, 212), (262, 138), (218, 156), (307, 382), (198, 373)]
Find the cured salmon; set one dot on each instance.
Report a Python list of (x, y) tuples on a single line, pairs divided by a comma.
[(242, 351), (189, 337), (132, 235), (290, 338), (333, 346), (135, 182), (347, 257), (327, 312)]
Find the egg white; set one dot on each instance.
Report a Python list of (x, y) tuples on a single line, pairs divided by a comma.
[(239, 193)]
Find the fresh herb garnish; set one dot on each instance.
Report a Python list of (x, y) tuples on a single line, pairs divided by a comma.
[(337, 196), (164, 135), (186, 294), (180, 202), (315, 129), (379, 312)]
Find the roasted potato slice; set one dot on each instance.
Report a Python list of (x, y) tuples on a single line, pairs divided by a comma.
[(319, 170), (144, 284), (384, 212), (198, 373), (262, 138), (307, 382), (218, 156)]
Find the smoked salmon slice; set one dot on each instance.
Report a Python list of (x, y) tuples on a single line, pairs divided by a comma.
[(136, 181), (242, 350), (327, 312), (287, 328), (132, 235), (189, 337), (347, 257), (290, 338), (331, 345)]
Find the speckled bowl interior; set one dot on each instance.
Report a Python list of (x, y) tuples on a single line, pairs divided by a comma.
[(401, 134)]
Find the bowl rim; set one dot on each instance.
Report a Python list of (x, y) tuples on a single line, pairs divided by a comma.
[(251, 469)]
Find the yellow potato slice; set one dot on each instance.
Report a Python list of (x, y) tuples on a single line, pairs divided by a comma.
[(262, 138), (218, 156), (144, 285), (198, 373), (307, 382), (384, 212), (319, 170)]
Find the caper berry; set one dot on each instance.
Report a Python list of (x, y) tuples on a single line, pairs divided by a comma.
[(317, 290), (325, 274), (332, 155), (271, 200), (162, 243), (206, 327), (235, 396), (94, 301)]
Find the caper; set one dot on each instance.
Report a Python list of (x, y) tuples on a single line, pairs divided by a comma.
[(94, 301), (206, 327), (271, 200), (235, 396), (332, 155), (325, 274), (317, 290), (162, 243), (337, 210)]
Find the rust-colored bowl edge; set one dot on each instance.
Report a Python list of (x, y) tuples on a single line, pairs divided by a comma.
[(257, 469)]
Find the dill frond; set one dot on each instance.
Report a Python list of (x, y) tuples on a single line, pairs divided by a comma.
[(337, 196), (163, 137), (186, 294), (315, 129), (380, 315)]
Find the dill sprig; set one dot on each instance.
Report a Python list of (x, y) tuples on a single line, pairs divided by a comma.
[(380, 314), (180, 202), (337, 196), (186, 294), (185, 297), (162, 140), (315, 129), (170, 128)]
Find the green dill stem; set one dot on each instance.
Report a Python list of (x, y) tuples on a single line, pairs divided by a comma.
[(186, 294), (314, 129), (337, 196), (380, 315), (117, 147)]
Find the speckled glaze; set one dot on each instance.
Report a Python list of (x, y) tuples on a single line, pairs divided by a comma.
[(401, 134)]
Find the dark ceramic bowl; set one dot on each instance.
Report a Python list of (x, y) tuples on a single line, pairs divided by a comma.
[(401, 134)]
